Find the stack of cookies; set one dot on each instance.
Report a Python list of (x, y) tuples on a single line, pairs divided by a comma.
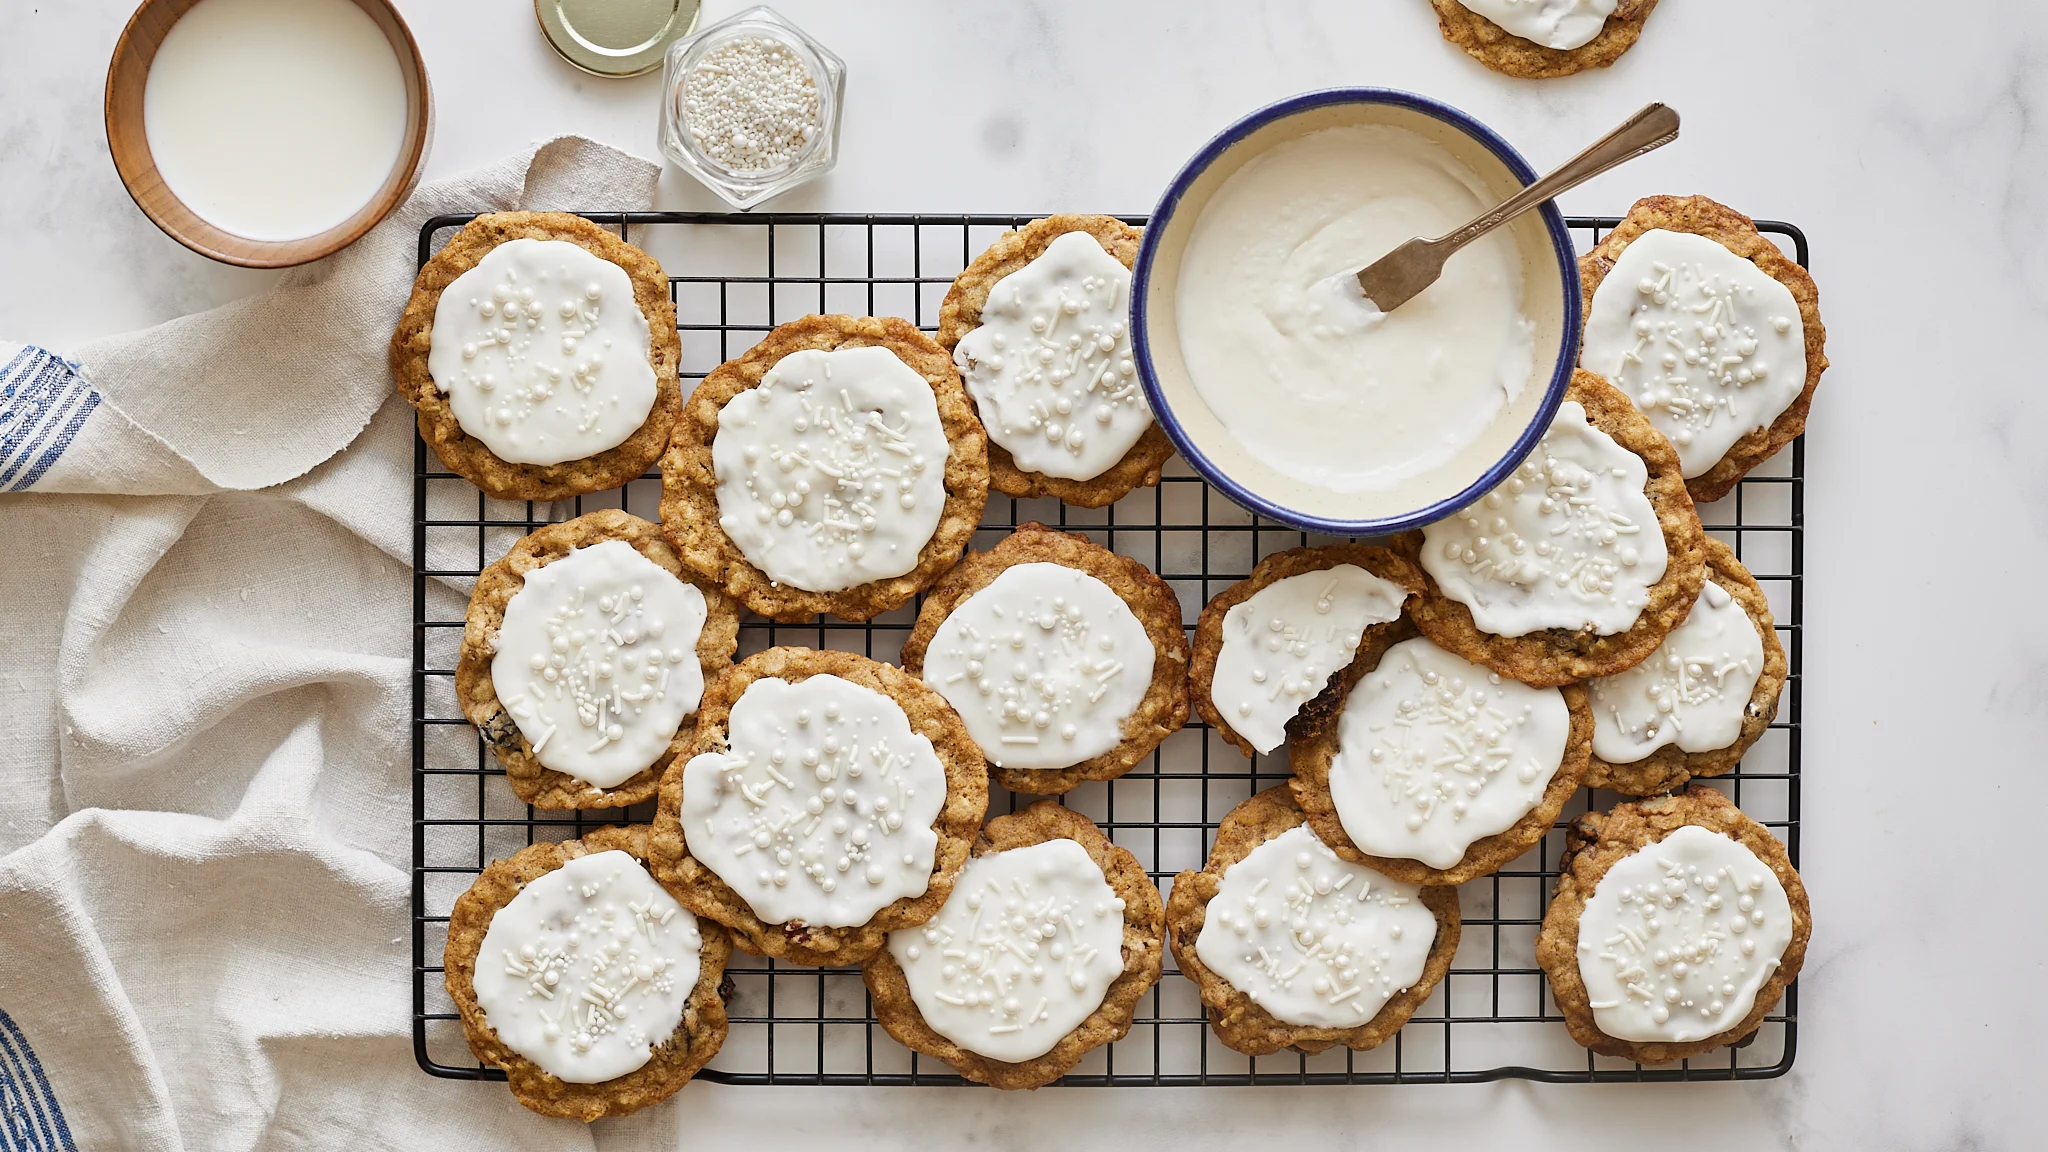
[(1441, 696)]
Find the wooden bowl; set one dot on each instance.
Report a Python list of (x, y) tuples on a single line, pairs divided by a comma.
[(127, 76)]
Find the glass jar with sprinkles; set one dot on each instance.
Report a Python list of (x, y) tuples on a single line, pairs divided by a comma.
[(750, 107)]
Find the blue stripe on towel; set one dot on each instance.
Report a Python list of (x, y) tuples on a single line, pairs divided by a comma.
[(30, 1120), (44, 401)]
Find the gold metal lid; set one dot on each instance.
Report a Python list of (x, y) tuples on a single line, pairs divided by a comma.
[(615, 37)]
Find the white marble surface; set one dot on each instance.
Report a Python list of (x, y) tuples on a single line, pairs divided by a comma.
[(1905, 139)]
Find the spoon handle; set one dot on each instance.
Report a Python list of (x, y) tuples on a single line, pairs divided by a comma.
[(1653, 127)]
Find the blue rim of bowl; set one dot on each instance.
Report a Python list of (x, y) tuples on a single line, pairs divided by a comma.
[(1141, 344)]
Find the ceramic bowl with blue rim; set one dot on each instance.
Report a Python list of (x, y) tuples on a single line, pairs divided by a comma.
[(1550, 304)]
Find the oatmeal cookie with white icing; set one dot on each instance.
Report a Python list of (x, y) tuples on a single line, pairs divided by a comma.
[(1730, 386), (1003, 1013), (1543, 39), (1270, 643), (586, 1032), (1073, 422), (801, 491), (1370, 951), (585, 653), (830, 800), (1430, 769), (1577, 565), (540, 353), (1701, 699), (1067, 662), (1676, 925)]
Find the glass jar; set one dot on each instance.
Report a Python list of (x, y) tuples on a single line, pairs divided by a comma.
[(746, 187)]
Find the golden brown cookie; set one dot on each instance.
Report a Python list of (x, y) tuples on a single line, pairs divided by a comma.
[(1382, 562), (1239, 1021), (1555, 656), (1595, 843), (697, 1036), (689, 487), (538, 785), (467, 456), (1143, 955), (1312, 745), (1670, 767), (1737, 233), (1511, 55), (702, 891), (1164, 707), (961, 314)]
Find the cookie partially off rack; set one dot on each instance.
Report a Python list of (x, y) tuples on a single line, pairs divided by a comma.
[(1491, 1019)]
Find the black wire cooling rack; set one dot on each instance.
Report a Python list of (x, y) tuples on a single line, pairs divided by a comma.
[(1491, 1019)]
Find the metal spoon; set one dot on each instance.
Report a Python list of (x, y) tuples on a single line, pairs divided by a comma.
[(1397, 277)]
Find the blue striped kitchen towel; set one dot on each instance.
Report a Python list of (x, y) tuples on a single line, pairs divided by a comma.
[(44, 401), (30, 1120)]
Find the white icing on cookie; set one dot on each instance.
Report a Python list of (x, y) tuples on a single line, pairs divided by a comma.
[(1560, 24), (1315, 940), (832, 472), (1434, 752), (1282, 645), (1050, 366), (1692, 691), (1708, 345), (1023, 951), (822, 810), (1676, 940), (1045, 665), (597, 661), (541, 350), (588, 968), (1569, 541)]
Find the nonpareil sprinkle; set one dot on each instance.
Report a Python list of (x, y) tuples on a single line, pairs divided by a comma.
[(751, 104)]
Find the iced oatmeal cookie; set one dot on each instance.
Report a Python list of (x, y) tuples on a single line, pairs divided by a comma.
[(1430, 769), (829, 801), (1039, 327), (1270, 643), (1710, 329), (540, 352), (1058, 931), (1541, 39), (836, 466), (1676, 925), (1702, 698), (1067, 661), (1580, 563), (585, 653), (583, 979), (1367, 953)]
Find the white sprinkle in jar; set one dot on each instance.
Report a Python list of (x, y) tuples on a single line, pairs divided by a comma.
[(750, 107)]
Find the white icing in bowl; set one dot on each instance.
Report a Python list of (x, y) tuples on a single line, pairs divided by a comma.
[(1281, 453)]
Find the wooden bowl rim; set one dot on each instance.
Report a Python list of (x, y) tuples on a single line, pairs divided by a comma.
[(129, 68)]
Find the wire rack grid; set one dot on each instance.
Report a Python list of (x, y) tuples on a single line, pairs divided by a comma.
[(1491, 1018)]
